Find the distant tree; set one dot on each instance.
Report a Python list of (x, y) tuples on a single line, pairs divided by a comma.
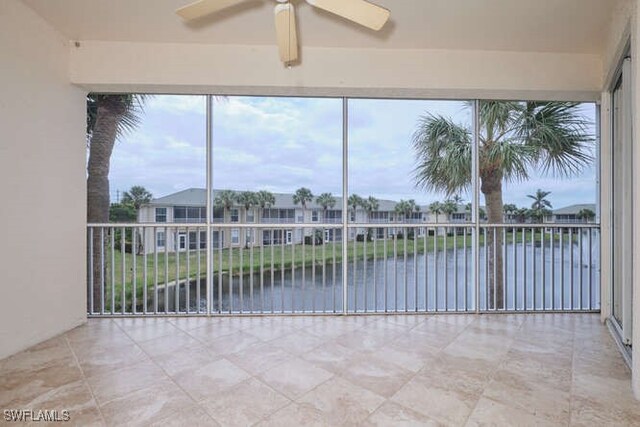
[(353, 202), (449, 207), (302, 196), (119, 212), (540, 206), (406, 208), (436, 208), (225, 199), (136, 197), (327, 201), (371, 204), (247, 199), (587, 215), (522, 214), (265, 199)]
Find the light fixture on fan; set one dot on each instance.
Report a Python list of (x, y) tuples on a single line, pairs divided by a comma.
[(361, 12)]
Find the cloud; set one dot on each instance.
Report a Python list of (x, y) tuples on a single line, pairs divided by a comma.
[(281, 144)]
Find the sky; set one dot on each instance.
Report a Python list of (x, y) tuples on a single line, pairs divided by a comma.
[(281, 144)]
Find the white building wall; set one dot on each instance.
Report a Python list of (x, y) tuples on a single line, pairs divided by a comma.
[(43, 175)]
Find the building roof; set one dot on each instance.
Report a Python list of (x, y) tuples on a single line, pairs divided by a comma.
[(574, 209), (198, 197)]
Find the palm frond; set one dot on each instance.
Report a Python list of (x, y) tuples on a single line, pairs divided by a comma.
[(443, 155), (560, 136)]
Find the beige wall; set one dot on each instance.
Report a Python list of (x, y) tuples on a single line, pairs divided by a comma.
[(197, 68), (42, 175)]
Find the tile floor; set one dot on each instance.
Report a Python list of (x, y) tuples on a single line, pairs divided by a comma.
[(545, 369)]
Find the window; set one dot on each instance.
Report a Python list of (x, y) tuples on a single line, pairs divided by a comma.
[(235, 236), (161, 214), (160, 239), (193, 240), (218, 214), (184, 214), (234, 215), (314, 216), (250, 216)]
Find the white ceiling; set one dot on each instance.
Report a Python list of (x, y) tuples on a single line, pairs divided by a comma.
[(577, 26)]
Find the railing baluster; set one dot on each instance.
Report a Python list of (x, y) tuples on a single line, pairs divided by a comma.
[(562, 307), (187, 302), (112, 230), (303, 305), (333, 266), (445, 267), (313, 270), (415, 267), (134, 251), (553, 269), (466, 271), (533, 267), (198, 271), (590, 271), (524, 268), (395, 270), (435, 267), (251, 235), (514, 241), (123, 273), (384, 267), (220, 277), (91, 272), (102, 268), (176, 288), (145, 274), (486, 270), (293, 271), (375, 269), (230, 276), (282, 268), (571, 265), (364, 270), (580, 305), (241, 261), (455, 268), (273, 278), (426, 272), (404, 266), (543, 264)]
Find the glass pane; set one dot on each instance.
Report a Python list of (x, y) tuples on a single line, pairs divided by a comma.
[(537, 172), (277, 166)]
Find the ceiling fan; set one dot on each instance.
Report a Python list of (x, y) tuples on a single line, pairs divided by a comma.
[(359, 11)]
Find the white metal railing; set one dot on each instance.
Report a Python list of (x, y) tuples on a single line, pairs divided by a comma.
[(141, 269)]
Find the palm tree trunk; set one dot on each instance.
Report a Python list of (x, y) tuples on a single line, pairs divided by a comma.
[(100, 149), (492, 190)]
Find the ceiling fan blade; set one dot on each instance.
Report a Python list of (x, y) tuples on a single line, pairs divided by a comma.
[(359, 11), (286, 32), (202, 8)]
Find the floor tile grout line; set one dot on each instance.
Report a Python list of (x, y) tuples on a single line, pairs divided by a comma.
[(85, 379)]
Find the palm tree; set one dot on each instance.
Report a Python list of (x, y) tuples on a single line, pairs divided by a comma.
[(109, 117), (225, 199), (540, 206), (522, 214), (136, 197), (302, 196), (265, 199), (353, 202), (515, 138), (436, 208), (326, 200), (371, 204), (586, 214), (247, 199), (449, 207), (406, 208)]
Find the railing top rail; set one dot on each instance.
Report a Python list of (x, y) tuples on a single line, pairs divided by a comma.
[(338, 225)]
